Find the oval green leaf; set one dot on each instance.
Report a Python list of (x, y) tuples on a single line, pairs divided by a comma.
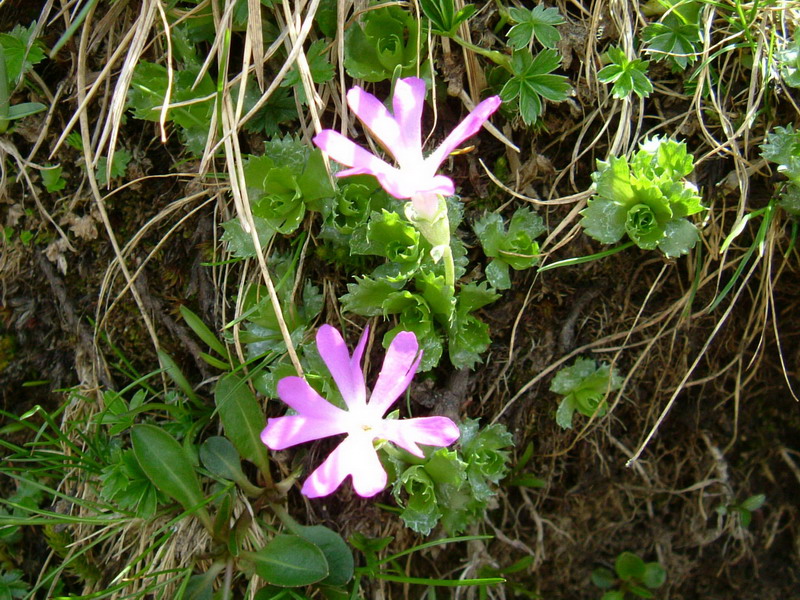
[(220, 457), (337, 552), (289, 561), (169, 468), (242, 419), (629, 566)]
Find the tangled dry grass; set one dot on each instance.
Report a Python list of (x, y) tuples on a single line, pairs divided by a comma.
[(707, 415)]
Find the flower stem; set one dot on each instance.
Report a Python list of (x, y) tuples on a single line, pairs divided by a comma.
[(497, 58), (449, 268)]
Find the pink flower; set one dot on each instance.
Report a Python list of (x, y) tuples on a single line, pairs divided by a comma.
[(362, 421), (400, 134)]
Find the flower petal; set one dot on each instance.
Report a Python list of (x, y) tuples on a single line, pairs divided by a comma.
[(399, 366), (407, 104), (383, 126), (355, 456), (299, 395), (467, 128), (358, 353), (430, 431), (346, 373), (283, 432), (350, 154)]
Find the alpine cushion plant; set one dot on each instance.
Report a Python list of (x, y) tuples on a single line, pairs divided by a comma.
[(415, 177), (647, 198), (363, 420)]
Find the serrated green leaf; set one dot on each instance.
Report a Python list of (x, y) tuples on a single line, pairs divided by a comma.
[(319, 66), (169, 468), (242, 419), (680, 236), (289, 561), (437, 294), (537, 23), (148, 92), (532, 80), (421, 512), (240, 244), (497, 274), (626, 75), (119, 166), (444, 466), (674, 39), (20, 51), (604, 220), (52, 179), (389, 235), (367, 296)]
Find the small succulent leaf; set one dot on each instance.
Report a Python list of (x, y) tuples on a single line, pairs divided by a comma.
[(654, 575), (629, 566), (566, 409), (497, 274), (680, 236), (604, 220)]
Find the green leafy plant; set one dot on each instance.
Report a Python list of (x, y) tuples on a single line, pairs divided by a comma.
[(676, 37), (386, 39), (631, 577), (647, 198), (193, 100), (411, 285), (452, 487), (515, 248), (782, 147), (444, 18), (533, 79), (284, 182), (538, 23), (52, 178), (628, 76), (744, 510), (584, 386), (789, 62), (19, 52), (119, 167), (318, 64), (12, 585)]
